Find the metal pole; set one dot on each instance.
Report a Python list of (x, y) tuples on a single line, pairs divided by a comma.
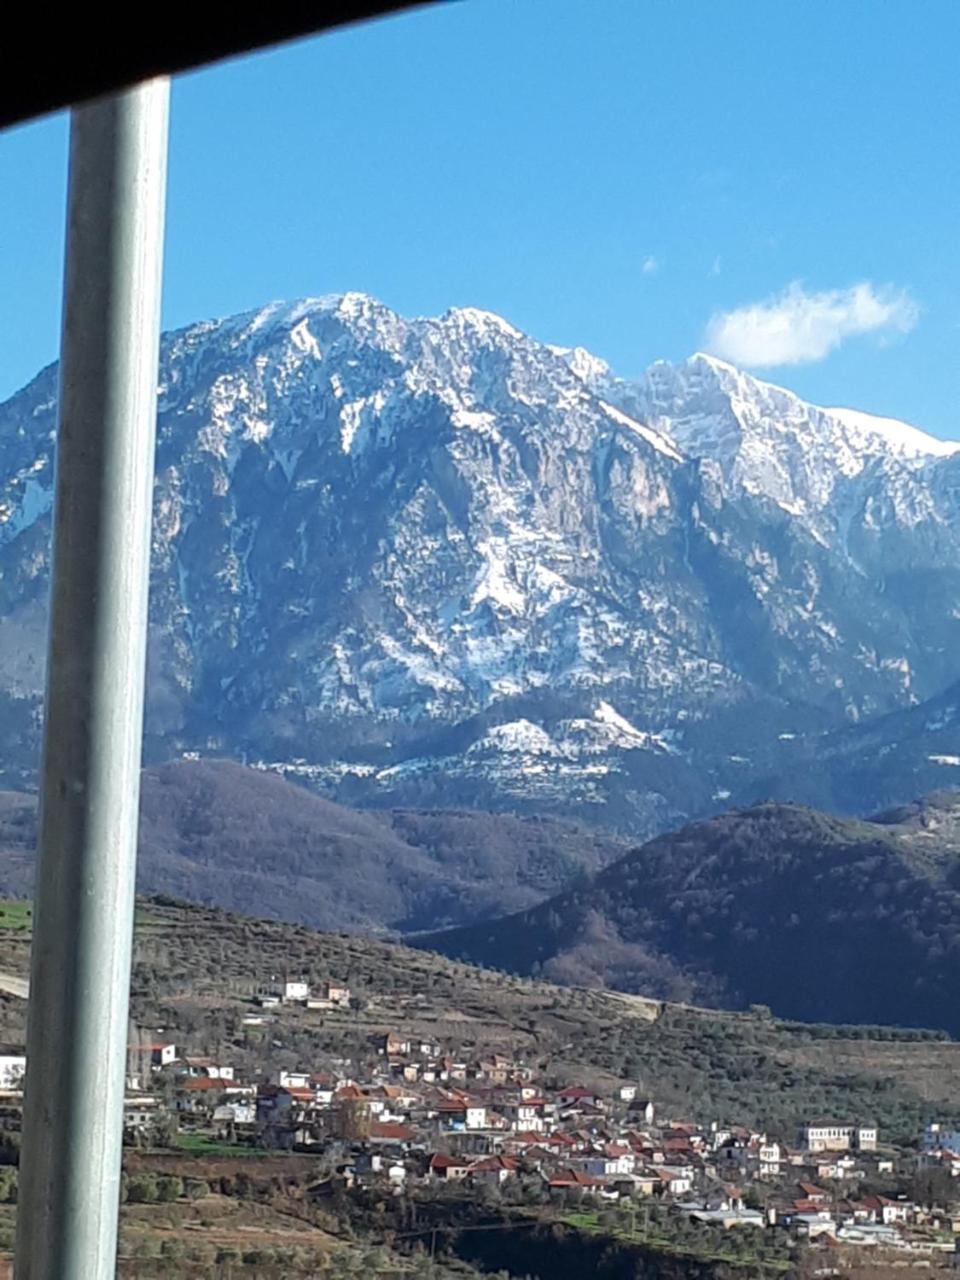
[(84, 897)]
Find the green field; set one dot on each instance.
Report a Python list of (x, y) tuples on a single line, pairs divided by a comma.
[(200, 1144), (15, 913)]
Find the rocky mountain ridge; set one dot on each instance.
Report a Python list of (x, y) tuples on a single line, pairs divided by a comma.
[(434, 562)]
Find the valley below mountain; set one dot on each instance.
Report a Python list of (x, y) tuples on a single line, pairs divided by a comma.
[(820, 918)]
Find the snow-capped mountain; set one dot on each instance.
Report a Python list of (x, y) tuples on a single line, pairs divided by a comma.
[(766, 441), (435, 560)]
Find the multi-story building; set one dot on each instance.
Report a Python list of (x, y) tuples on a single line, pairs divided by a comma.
[(829, 1135)]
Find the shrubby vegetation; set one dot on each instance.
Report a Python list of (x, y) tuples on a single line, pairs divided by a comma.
[(245, 839), (818, 918), (762, 1072)]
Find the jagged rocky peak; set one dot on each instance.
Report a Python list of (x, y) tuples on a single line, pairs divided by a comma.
[(766, 441), (438, 558), (590, 369), (708, 406)]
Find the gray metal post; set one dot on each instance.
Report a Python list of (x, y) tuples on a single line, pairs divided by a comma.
[(84, 898)]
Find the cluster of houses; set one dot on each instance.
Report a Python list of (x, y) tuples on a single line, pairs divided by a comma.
[(417, 1116), (409, 1113), (286, 990)]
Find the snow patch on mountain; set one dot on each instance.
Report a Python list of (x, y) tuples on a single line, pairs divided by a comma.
[(435, 560), (901, 438), (588, 367), (652, 437)]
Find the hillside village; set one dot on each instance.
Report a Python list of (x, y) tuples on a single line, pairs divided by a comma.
[(415, 1116), (357, 1082)]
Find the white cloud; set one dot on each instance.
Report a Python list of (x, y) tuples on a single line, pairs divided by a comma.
[(796, 327), (650, 265)]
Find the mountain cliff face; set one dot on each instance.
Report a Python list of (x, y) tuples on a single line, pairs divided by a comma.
[(435, 561)]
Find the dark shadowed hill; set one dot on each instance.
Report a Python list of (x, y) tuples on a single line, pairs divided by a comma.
[(818, 917), (867, 766), (247, 840)]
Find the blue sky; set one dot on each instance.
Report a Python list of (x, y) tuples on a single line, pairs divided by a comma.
[(777, 182)]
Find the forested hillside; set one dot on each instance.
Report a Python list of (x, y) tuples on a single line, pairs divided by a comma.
[(818, 917), (246, 839)]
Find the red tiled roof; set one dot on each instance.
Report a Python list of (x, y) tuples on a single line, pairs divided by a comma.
[(396, 1132), (493, 1164), (439, 1161), (574, 1178)]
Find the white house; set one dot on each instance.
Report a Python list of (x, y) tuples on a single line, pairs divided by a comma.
[(289, 991), (207, 1067), (830, 1136), (476, 1116), (888, 1211), (525, 1117), (676, 1180), (163, 1055), (768, 1159), (140, 1113), (754, 1156), (838, 1167), (235, 1113), (13, 1067), (613, 1162), (293, 1079)]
